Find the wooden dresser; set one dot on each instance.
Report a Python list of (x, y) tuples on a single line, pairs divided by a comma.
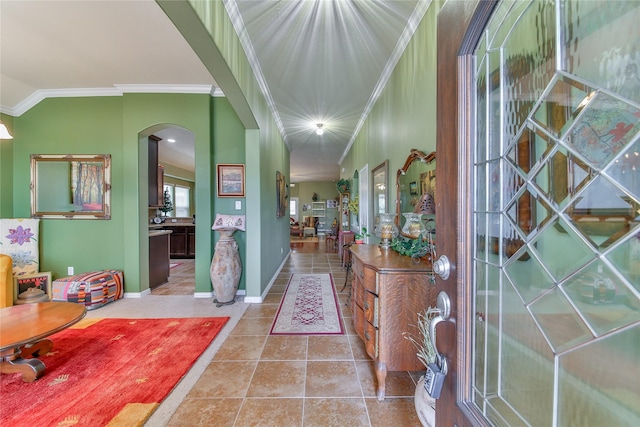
[(389, 291)]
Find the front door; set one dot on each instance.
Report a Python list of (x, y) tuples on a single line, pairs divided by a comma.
[(539, 213)]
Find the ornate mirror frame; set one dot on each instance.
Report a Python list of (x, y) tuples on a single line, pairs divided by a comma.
[(415, 156), (71, 186)]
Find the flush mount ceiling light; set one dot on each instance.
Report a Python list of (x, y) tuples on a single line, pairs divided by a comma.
[(4, 132), (320, 129)]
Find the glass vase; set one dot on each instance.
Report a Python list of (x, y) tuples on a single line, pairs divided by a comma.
[(386, 229), (413, 226)]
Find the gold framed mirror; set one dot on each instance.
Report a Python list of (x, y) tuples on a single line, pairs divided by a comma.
[(415, 187), (71, 186)]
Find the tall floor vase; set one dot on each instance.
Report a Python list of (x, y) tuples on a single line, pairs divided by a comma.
[(226, 268)]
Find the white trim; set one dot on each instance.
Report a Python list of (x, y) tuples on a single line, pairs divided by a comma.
[(260, 299), (117, 90)]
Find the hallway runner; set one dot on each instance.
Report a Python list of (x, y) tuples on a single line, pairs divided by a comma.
[(309, 307)]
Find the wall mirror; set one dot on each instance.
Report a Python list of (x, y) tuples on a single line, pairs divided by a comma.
[(71, 186), (415, 188), (380, 188)]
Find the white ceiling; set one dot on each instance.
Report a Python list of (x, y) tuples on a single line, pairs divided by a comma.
[(318, 61)]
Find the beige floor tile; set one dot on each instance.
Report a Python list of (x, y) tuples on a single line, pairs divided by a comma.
[(253, 326), (278, 379), (272, 298), (332, 379), (393, 412), (224, 379), (285, 348), (329, 348), (262, 310), (241, 347), (260, 412), (358, 348), (206, 412), (323, 412)]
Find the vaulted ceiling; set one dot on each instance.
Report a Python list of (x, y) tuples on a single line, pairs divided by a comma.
[(318, 61)]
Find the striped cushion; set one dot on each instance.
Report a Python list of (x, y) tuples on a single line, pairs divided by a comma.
[(93, 290)]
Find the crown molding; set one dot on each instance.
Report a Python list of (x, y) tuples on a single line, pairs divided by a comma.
[(117, 90)]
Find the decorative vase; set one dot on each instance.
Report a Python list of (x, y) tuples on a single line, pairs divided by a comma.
[(425, 405), (386, 229), (413, 225), (226, 268)]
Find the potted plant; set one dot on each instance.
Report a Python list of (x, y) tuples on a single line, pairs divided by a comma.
[(342, 186), (425, 405), (359, 237)]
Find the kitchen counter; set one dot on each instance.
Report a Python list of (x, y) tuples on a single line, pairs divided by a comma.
[(158, 232)]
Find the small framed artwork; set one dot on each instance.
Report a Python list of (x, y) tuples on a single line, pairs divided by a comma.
[(413, 188), (332, 204), (36, 280), (230, 180)]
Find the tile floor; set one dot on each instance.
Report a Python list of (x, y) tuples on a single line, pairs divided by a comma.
[(253, 379)]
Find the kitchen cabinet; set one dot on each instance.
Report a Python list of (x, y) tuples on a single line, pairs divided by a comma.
[(158, 257), (183, 241), (156, 174), (389, 291)]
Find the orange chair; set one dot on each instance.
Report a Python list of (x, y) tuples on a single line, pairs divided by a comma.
[(6, 281)]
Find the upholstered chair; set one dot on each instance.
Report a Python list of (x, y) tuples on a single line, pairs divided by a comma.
[(6, 281)]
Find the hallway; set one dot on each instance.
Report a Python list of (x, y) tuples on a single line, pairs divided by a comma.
[(259, 380)]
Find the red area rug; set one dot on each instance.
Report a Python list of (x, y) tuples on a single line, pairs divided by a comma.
[(107, 371), (309, 307)]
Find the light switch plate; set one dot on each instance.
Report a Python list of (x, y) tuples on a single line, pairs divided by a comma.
[(238, 205)]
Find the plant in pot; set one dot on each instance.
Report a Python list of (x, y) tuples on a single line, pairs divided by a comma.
[(425, 405), (359, 237), (342, 186)]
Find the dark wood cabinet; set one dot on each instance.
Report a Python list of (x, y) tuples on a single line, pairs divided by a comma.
[(158, 260), (388, 293), (156, 174), (183, 241)]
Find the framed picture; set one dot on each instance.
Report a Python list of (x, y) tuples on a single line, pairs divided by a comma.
[(230, 180), (332, 204), (413, 188), (36, 280), (281, 195)]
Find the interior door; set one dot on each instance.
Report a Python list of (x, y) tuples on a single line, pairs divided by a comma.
[(539, 212)]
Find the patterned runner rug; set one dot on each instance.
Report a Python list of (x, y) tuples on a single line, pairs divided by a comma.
[(309, 307)]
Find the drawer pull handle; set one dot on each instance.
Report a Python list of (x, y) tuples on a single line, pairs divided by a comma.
[(366, 305), (361, 274), (367, 336)]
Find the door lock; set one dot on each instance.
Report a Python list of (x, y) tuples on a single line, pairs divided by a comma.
[(442, 267)]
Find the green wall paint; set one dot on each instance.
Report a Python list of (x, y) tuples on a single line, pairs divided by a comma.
[(404, 117), (229, 147), (108, 125)]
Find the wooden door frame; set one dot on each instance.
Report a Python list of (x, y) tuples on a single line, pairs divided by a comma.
[(460, 25)]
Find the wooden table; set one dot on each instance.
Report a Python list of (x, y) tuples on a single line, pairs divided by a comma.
[(23, 329)]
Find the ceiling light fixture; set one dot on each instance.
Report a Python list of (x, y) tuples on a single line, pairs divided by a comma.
[(320, 129), (4, 132), (171, 140)]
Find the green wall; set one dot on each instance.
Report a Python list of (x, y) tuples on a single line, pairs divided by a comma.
[(230, 148), (6, 170), (106, 125), (404, 117)]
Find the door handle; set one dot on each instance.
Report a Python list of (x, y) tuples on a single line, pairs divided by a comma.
[(443, 308)]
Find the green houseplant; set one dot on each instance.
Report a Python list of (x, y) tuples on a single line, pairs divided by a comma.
[(359, 237)]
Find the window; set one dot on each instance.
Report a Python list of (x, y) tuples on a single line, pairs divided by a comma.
[(293, 208), (180, 199)]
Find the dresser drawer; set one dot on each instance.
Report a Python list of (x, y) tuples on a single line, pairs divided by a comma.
[(357, 267), (371, 340), (358, 292), (370, 306), (358, 321), (370, 280)]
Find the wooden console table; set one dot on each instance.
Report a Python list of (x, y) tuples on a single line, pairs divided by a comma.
[(389, 291)]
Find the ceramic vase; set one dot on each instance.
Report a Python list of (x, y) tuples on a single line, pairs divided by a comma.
[(226, 268), (425, 405)]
